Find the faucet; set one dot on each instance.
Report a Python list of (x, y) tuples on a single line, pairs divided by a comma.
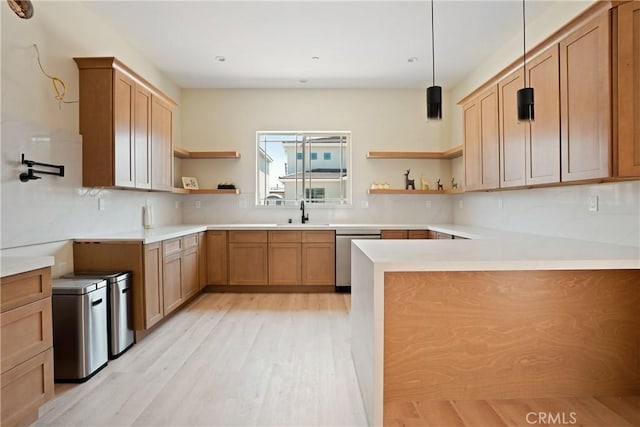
[(305, 218)]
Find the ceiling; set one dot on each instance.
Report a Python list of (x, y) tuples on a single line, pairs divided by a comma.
[(360, 44)]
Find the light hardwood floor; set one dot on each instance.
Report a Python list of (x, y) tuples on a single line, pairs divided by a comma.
[(273, 359)]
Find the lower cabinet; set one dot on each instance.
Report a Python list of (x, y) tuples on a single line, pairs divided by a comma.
[(26, 359), (285, 257), (318, 258), (248, 258), (217, 266), (406, 234), (165, 274)]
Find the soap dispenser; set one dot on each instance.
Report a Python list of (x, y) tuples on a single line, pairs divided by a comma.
[(148, 215)]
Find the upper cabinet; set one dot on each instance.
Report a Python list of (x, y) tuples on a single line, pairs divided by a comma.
[(628, 80), (126, 126), (586, 101), (512, 132), (481, 141)]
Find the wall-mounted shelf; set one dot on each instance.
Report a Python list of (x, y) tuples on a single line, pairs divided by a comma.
[(443, 155), (215, 191), (415, 192), (178, 190), (185, 154)]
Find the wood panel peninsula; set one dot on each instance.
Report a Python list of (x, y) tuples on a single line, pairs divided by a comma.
[(510, 316)]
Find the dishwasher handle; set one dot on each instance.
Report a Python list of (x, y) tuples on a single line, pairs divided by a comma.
[(96, 302)]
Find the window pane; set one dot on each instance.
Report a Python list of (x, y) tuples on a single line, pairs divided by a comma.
[(327, 156), (314, 156)]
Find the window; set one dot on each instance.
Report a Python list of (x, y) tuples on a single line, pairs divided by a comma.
[(289, 169)]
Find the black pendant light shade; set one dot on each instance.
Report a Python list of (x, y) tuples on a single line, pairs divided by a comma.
[(525, 105), (434, 103)]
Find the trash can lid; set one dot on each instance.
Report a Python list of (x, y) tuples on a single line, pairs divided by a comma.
[(110, 276), (76, 286)]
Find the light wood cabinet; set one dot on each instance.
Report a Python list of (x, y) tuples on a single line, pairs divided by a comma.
[(217, 257), (152, 297), (512, 132), (628, 94), (542, 136), (171, 282), (394, 234), (418, 234), (180, 271), (26, 357), (586, 101), (248, 258), (202, 259), (126, 126), (285, 257), (319, 258), (190, 273), (481, 141)]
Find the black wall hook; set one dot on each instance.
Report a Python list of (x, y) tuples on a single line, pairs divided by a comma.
[(30, 174)]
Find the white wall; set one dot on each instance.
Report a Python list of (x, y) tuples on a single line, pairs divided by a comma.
[(56, 209), (385, 120), (558, 211)]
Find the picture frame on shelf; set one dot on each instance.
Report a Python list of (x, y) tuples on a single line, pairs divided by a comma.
[(190, 183)]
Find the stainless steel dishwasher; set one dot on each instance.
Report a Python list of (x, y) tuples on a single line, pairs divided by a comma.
[(79, 328), (344, 237)]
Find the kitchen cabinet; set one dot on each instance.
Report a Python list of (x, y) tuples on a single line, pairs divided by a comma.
[(394, 234), (217, 269), (202, 259), (542, 136), (126, 126), (481, 141), (248, 258), (418, 234), (318, 258), (586, 101), (165, 274), (512, 132), (285, 257), (628, 93), (26, 359)]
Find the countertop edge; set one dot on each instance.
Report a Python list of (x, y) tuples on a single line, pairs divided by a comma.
[(17, 265)]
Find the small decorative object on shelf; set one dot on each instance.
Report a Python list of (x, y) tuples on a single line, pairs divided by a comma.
[(409, 182), (454, 184), (190, 183), (440, 187), (226, 186), (424, 184), (380, 186)]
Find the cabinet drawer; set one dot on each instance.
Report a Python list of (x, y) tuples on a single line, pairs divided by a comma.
[(24, 288), (247, 237), (319, 236), (170, 247), (26, 387), (26, 331), (418, 234), (190, 241), (285, 236), (394, 234)]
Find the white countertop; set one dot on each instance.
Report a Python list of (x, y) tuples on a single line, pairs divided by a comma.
[(146, 236), (16, 265), (511, 253)]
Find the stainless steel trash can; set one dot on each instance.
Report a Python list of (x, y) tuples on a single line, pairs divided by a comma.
[(119, 317), (79, 328)]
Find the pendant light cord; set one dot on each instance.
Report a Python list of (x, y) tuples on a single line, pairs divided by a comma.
[(524, 45), (433, 49)]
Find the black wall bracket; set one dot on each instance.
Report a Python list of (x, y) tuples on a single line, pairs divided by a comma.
[(30, 174)]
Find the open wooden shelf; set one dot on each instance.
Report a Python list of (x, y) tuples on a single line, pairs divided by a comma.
[(178, 190), (449, 154), (181, 153), (215, 191), (400, 191)]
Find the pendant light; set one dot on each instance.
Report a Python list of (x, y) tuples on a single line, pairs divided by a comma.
[(525, 95), (434, 93)]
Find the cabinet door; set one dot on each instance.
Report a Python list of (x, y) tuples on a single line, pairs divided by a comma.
[(585, 101), (481, 137), (202, 260), (161, 145), (629, 89), (512, 132), (318, 264), (124, 93), (543, 134), (190, 281), (217, 257), (285, 263), (153, 304), (171, 282), (418, 234), (248, 264), (142, 137)]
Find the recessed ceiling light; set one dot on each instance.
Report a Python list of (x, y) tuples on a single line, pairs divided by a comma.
[(221, 58), (315, 58), (412, 59)]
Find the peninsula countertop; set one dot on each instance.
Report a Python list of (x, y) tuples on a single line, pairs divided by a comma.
[(15, 265)]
